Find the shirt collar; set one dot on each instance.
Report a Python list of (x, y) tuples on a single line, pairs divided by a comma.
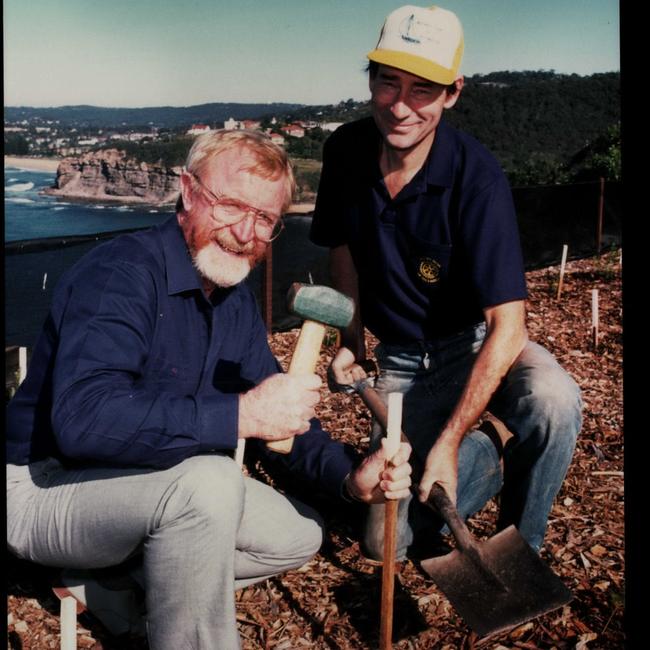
[(438, 166), (181, 274)]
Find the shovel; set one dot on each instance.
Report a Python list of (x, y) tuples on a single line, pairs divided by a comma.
[(496, 584)]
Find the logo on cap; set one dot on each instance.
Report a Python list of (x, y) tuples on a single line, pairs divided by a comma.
[(414, 31), (427, 42)]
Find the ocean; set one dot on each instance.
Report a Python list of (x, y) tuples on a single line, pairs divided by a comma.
[(32, 215), (40, 245)]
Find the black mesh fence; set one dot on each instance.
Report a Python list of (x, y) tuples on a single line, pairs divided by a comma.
[(552, 216), (549, 217)]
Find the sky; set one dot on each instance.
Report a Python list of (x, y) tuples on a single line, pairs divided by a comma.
[(135, 53)]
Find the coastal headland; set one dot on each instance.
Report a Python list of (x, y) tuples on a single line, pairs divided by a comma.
[(111, 174), (86, 186)]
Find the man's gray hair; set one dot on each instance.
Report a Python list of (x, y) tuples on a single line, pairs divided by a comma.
[(271, 160)]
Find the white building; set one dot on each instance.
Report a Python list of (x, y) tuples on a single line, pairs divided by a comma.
[(232, 125), (294, 130), (197, 129), (135, 137), (330, 126)]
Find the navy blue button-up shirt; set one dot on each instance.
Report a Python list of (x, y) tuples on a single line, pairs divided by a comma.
[(431, 259), (135, 367)]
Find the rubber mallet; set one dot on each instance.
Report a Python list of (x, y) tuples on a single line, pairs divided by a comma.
[(320, 307)]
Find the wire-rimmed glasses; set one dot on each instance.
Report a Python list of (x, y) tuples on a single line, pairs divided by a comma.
[(229, 211)]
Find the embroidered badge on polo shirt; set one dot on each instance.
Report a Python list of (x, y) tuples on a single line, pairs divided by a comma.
[(428, 270)]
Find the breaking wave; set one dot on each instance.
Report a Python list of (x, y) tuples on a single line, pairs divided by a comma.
[(19, 187)]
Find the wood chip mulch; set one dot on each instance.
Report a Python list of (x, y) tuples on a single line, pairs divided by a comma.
[(332, 602)]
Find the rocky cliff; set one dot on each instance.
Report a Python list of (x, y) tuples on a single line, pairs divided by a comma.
[(110, 175)]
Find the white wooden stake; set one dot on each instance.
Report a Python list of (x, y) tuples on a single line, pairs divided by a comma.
[(44, 280), (239, 453), (394, 428), (68, 623), (594, 316), (565, 249), (22, 364)]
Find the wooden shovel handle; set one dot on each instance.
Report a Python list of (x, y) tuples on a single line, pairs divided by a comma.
[(440, 501), (388, 576), (303, 362), (393, 433)]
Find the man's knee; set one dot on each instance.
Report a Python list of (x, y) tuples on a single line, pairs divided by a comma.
[(209, 487), (544, 394), (309, 539), (556, 403), (301, 535), (372, 543)]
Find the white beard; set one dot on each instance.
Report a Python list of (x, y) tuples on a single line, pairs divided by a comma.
[(221, 268)]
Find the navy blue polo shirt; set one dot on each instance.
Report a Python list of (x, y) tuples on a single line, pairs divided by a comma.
[(135, 367), (433, 257)]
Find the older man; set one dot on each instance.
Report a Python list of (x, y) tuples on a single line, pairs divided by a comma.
[(421, 228), (152, 364)]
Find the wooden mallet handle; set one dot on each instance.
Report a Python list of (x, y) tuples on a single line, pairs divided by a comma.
[(319, 306), (303, 362)]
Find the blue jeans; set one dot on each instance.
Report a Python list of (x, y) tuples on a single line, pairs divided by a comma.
[(538, 402)]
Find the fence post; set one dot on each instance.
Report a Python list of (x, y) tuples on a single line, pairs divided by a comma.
[(594, 317), (601, 206), (267, 289), (565, 249)]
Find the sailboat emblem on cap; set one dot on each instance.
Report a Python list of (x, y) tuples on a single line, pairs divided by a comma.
[(413, 30), (405, 29)]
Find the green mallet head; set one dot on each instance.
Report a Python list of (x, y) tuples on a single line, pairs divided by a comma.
[(321, 304)]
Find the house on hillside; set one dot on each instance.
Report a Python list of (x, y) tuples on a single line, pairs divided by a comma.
[(232, 125), (198, 129), (294, 130), (330, 126), (237, 125), (277, 138), (136, 137), (251, 125)]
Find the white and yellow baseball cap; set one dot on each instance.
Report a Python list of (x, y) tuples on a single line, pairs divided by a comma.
[(425, 41)]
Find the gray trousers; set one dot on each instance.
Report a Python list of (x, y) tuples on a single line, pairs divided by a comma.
[(202, 528)]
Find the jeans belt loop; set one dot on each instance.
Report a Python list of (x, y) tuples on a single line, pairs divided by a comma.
[(426, 359)]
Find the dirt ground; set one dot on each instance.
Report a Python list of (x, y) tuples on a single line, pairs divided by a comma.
[(332, 602)]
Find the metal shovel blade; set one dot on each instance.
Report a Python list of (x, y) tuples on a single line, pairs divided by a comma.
[(497, 584)]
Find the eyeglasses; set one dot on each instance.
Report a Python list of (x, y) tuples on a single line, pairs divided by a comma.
[(229, 211)]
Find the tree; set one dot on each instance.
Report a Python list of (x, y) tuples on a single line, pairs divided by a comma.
[(600, 159), (16, 144)]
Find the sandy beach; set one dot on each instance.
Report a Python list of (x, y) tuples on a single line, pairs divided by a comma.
[(33, 164)]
